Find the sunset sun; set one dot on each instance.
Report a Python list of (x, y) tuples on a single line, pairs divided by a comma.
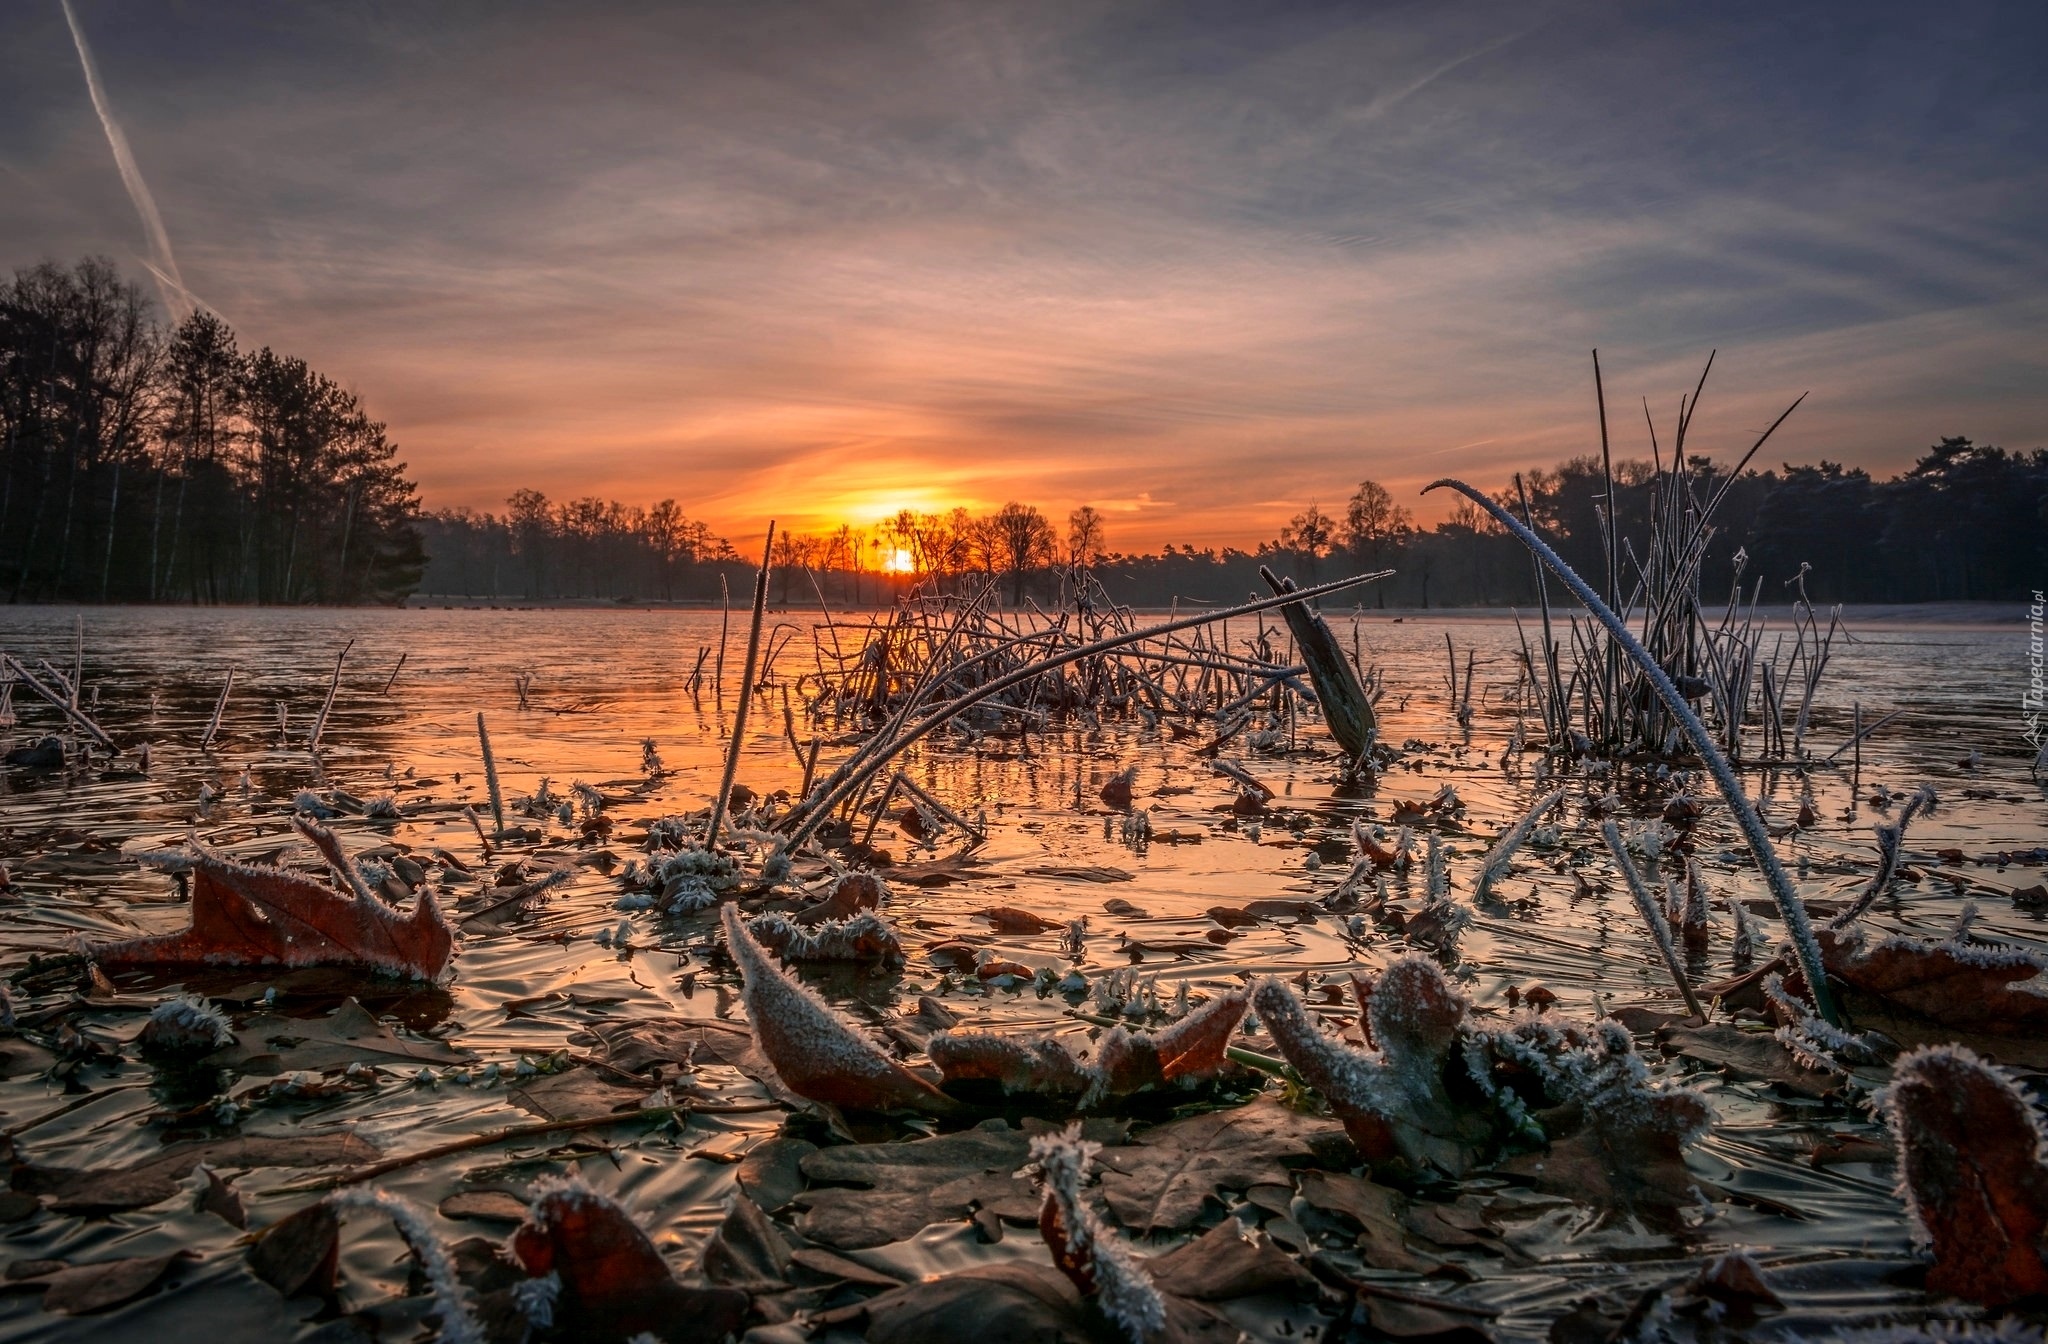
[(899, 562)]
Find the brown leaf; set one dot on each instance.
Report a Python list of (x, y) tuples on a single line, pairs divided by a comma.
[(300, 1254), (573, 1095), (1081, 873), (1006, 1303), (1975, 1167), (487, 1206), (1639, 1170), (253, 916), (1011, 919), (747, 1251), (272, 1043), (1163, 1180), (815, 1053), (1750, 1054), (1383, 1238), (109, 1283), (221, 1198), (771, 1172), (1221, 1264), (155, 1178), (906, 1186), (853, 893), (1972, 987)]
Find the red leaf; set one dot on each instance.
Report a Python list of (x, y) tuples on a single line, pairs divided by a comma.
[(614, 1283), (1963, 985), (244, 915), (1975, 1165)]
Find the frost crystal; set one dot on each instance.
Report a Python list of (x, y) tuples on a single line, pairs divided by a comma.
[(187, 1024), (457, 1325), (1497, 859), (1084, 1249), (866, 937)]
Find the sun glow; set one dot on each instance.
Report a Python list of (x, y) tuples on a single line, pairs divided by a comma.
[(899, 562)]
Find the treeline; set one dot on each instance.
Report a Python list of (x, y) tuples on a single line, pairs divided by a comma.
[(146, 463), (538, 551), (1965, 523)]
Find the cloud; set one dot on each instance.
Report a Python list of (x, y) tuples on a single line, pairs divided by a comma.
[(1083, 253), (160, 263)]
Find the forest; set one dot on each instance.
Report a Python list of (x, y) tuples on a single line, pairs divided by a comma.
[(153, 463), (148, 462)]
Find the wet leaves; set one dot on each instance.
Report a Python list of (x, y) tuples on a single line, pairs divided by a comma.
[(273, 1043), (1165, 1177), (79, 1290), (905, 1186), (301, 1253), (1750, 1054), (156, 1178)]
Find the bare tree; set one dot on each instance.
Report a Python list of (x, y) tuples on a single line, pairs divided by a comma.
[(1023, 541), (1085, 534)]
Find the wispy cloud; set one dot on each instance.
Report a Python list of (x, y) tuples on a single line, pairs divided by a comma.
[(161, 263)]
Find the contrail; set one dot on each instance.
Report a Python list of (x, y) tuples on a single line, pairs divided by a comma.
[(177, 299)]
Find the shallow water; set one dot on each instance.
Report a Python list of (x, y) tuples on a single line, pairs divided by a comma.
[(603, 680)]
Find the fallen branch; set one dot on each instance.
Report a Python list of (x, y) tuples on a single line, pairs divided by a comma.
[(71, 711), (513, 1133)]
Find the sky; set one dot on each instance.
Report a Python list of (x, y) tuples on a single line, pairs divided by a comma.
[(1197, 264)]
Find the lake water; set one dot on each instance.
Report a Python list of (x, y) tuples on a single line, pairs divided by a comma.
[(601, 681)]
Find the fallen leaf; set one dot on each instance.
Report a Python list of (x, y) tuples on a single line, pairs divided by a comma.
[(1221, 1264), (218, 1197), (614, 1283), (1974, 1163), (853, 893), (156, 1178), (747, 1251), (1011, 919), (839, 1267), (771, 1173), (1012, 1301), (488, 1206), (1162, 1180), (907, 1186), (815, 1053), (253, 916), (271, 1043), (82, 1289), (301, 1253), (1382, 1239), (1971, 986), (1081, 873), (574, 1094), (1755, 1055)]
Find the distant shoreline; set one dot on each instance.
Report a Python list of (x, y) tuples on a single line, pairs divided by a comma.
[(1862, 615)]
